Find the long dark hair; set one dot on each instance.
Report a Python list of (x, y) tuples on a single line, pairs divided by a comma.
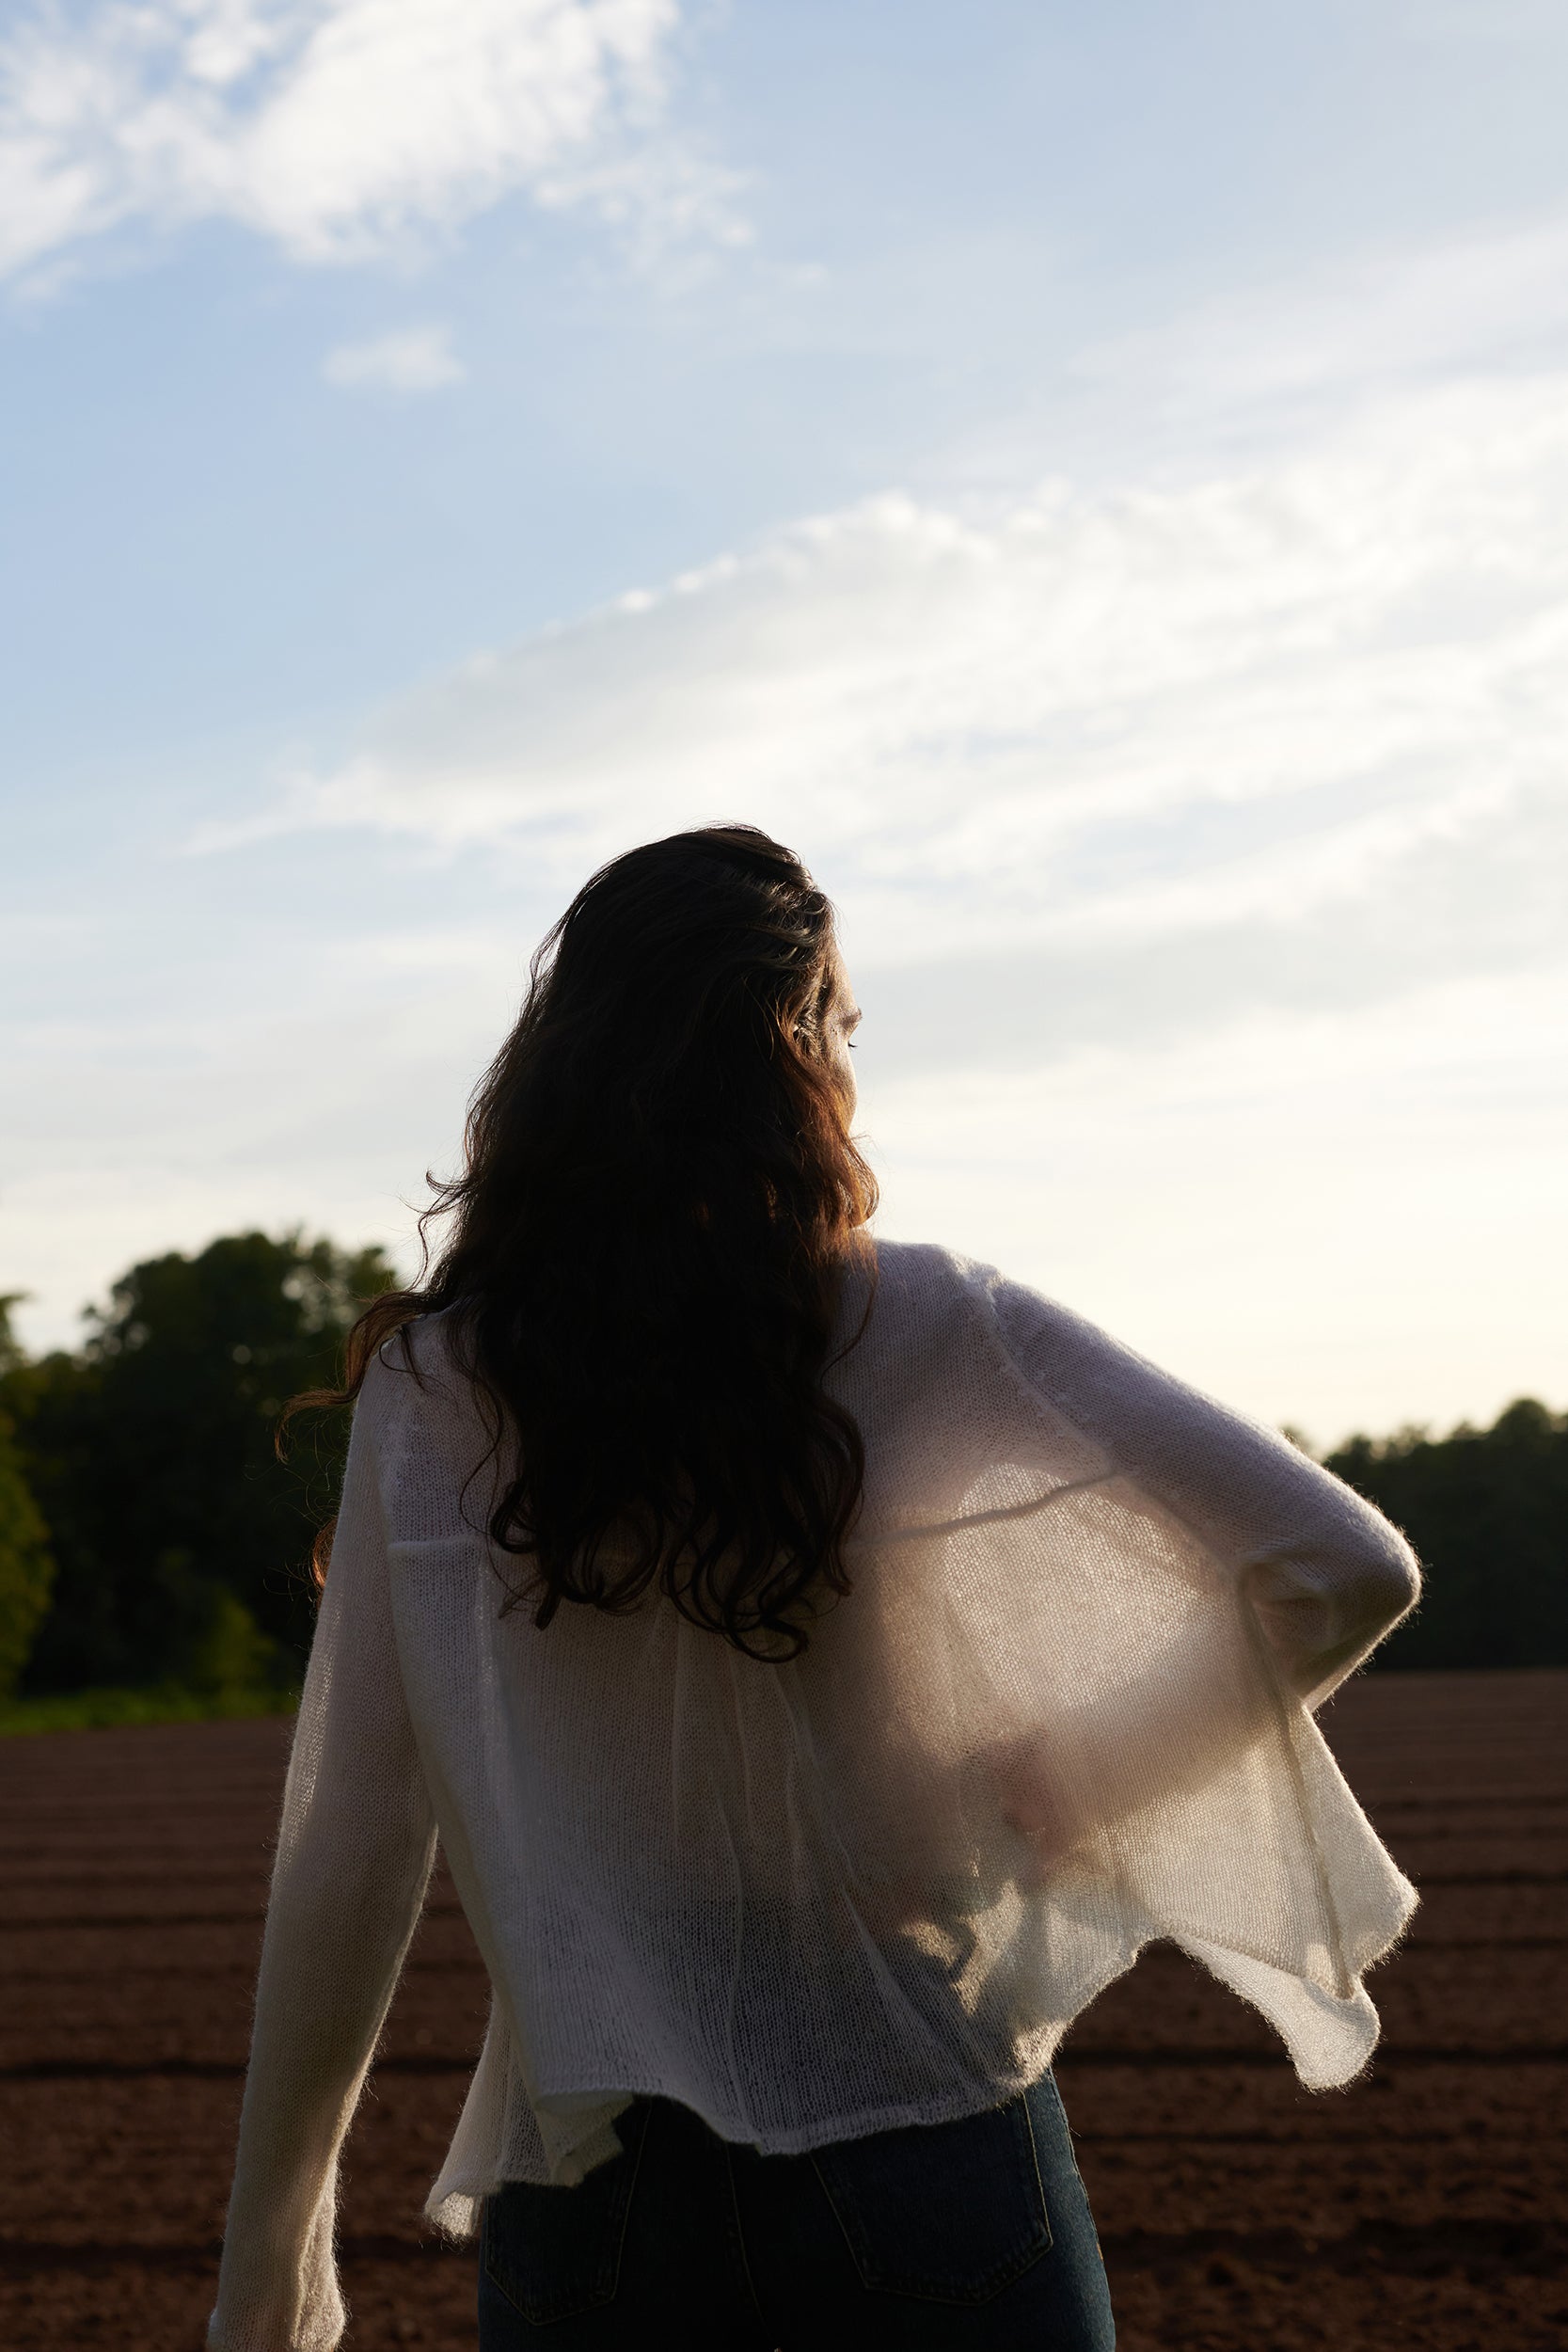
[(648, 1242)]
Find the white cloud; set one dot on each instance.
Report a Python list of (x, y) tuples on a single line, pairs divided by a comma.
[(1497, 292), (1100, 719), (1275, 365), (335, 127), (414, 360)]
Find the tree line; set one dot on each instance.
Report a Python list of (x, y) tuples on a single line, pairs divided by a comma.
[(150, 1534)]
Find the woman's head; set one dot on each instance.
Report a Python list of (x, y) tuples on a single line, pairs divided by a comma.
[(647, 1243), (690, 1008)]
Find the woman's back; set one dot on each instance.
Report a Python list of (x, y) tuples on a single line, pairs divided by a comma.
[(874, 1884)]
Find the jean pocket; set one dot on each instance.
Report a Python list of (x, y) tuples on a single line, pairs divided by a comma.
[(949, 2212), (554, 2253)]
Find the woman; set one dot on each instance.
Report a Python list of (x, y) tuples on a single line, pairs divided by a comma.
[(824, 1668)]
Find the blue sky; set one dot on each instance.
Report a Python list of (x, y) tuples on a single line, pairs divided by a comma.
[(1096, 482)]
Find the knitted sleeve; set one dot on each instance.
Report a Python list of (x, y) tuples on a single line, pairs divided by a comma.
[(1326, 1575), (355, 1851)]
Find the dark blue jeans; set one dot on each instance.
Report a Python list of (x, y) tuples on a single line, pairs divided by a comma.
[(974, 2235)]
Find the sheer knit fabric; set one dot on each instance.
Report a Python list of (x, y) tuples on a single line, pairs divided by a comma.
[(1066, 1710)]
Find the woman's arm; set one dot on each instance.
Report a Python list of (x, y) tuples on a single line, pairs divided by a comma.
[(1326, 1575), (353, 1855)]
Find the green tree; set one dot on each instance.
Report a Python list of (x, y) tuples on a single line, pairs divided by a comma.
[(27, 1566), (181, 1540), (1487, 1510)]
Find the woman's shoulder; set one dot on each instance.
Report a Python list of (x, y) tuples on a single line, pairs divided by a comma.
[(943, 1388), (936, 1306), (420, 1373), (427, 1346), (939, 1302), (927, 1269), (927, 1278)]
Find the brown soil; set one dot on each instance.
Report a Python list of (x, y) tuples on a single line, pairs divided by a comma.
[(1422, 2208)]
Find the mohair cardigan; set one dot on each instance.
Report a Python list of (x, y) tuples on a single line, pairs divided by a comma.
[(1067, 1708)]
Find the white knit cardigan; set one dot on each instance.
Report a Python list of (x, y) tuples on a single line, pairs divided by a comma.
[(1064, 1710)]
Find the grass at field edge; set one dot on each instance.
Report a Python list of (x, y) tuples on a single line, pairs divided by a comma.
[(162, 1703)]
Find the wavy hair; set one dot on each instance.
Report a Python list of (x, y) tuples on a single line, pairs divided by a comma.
[(646, 1248)]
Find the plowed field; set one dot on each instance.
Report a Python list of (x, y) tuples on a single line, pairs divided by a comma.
[(1424, 2207)]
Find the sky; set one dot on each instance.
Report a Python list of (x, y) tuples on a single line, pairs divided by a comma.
[(1094, 482)]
